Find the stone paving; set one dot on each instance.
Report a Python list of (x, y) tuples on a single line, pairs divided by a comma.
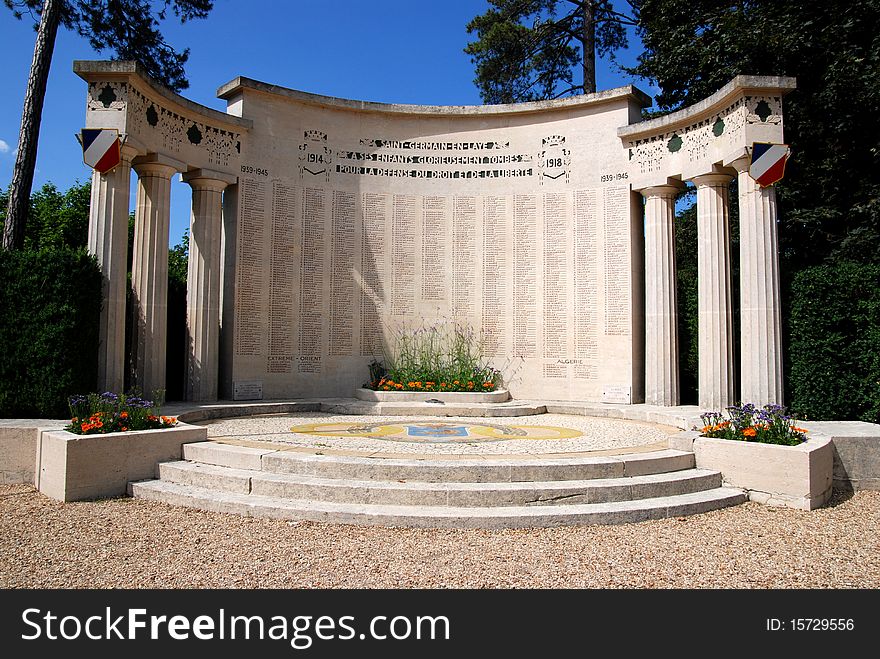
[(431, 436)]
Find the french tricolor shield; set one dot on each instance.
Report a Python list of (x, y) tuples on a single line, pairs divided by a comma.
[(100, 148), (768, 162)]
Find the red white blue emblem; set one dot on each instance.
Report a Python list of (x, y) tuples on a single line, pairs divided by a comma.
[(100, 148), (768, 162)]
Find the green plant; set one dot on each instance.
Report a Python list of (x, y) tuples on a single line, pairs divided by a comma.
[(95, 414), (770, 425), (50, 306), (441, 357), (833, 320)]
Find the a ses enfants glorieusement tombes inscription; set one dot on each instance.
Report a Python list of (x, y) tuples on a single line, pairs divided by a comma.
[(352, 220)]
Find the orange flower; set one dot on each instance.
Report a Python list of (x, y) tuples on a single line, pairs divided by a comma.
[(169, 420), (487, 384), (455, 382), (124, 428), (123, 415), (386, 387), (796, 429), (152, 417), (750, 432)]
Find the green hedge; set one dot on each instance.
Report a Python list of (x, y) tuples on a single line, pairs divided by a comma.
[(834, 342), (50, 303)]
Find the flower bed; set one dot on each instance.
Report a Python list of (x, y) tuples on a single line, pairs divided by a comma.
[(770, 457), (440, 358), (100, 414), (770, 425)]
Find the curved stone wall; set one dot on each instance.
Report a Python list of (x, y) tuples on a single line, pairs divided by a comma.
[(353, 220)]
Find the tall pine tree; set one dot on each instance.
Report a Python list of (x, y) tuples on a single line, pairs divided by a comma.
[(128, 29), (527, 50)]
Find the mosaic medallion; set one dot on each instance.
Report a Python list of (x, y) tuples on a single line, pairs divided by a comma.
[(433, 432)]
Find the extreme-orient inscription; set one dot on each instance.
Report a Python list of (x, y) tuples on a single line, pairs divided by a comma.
[(360, 239)]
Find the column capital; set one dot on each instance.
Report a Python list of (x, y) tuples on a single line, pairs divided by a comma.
[(128, 152), (207, 179), (712, 180), (156, 164), (742, 164), (662, 191)]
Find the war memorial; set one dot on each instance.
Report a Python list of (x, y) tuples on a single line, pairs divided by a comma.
[(320, 226)]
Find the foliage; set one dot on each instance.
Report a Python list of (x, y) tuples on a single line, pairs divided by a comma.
[(129, 29), (55, 219), (834, 349), (97, 414), (443, 357), (176, 348), (688, 292), (50, 303), (770, 425), (828, 202), (525, 50)]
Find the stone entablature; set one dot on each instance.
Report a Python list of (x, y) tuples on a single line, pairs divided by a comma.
[(717, 130), (156, 120)]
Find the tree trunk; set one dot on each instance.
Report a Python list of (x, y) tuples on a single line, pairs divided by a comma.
[(31, 115), (589, 48)]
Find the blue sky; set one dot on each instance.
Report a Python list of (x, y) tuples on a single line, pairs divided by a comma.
[(394, 51)]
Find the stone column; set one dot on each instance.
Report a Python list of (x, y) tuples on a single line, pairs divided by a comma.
[(661, 315), (715, 311), (108, 241), (149, 271), (760, 318), (203, 283)]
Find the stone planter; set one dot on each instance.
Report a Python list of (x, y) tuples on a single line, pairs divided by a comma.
[(450, 397), (74, 467), (792, 476)]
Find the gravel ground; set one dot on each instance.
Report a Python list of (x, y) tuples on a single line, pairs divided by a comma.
[(141, 544), (595, 434)]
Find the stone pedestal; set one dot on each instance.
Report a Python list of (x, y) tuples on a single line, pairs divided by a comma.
[(760, 318), (716, 383), (203, 284), (149, 276), (108, 241), (661, 315)]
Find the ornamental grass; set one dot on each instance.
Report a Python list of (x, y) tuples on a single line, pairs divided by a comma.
[(437, 358)]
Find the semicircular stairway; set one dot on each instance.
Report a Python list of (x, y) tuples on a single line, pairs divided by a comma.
[(503, 492)]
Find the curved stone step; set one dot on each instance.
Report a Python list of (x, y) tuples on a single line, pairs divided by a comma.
[(463, 494), (619, 512), (473, 470)]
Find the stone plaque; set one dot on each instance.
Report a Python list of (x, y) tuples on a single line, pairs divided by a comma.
[(617, 393), (247, 390)]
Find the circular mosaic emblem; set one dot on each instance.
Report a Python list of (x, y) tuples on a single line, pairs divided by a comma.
[(443, 432)]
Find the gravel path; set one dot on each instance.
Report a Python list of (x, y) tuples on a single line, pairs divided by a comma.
[(593, 434), (141, 544)]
